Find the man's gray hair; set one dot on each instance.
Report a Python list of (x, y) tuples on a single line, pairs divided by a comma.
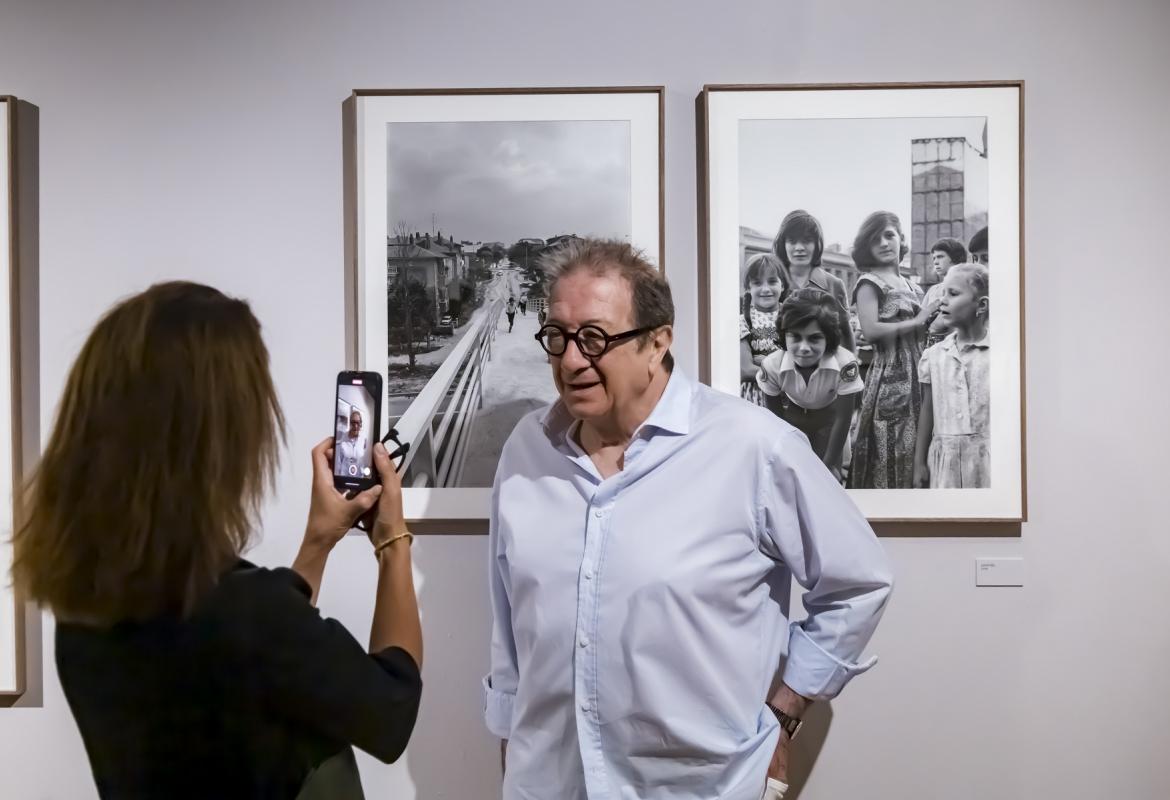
[(649, 291)]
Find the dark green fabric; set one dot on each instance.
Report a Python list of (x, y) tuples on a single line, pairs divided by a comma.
[(336, 778)]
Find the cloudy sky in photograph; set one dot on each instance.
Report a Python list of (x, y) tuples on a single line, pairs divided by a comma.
[(841, 170), (503, 181)]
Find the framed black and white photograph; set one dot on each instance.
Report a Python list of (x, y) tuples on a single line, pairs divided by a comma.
[(452, 198), (19, 375), (861, 276)]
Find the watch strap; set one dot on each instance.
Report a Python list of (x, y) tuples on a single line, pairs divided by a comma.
[(790, 725)]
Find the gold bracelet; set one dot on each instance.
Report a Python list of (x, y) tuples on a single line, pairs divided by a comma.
[(407, 535)]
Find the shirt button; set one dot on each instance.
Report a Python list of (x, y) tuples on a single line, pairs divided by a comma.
[(584, 641), (585, 705), (597, 513), (588, 573)]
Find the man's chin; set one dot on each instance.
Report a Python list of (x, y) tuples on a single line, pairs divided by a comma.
[(583, 407)]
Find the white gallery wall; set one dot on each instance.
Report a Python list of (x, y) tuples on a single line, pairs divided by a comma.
[(203, 141)]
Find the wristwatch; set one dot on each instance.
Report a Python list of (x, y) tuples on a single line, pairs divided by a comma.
[(789, 725)]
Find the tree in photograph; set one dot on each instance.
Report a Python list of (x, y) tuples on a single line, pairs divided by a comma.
[(525, 253), (415, 303), (400, 303)]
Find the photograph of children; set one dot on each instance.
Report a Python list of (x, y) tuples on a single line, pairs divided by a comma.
[(353, 454), (851, 326), (812, 381), (952, 451)]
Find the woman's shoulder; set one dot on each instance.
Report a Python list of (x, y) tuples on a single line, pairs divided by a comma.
[(834, 284), (247, 581), (873, 280), (251, 599)]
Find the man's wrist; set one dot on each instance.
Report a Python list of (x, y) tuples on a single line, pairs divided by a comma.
[(788, 701)]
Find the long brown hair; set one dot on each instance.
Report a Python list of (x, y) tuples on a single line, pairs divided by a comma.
[(166, 439)]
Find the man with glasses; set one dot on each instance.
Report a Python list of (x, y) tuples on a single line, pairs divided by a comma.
[(353, 451), (644, 533)]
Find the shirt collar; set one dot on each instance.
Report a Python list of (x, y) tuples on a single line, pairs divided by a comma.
[(672, 412), (828, 361), (952, 341), (814, 278)]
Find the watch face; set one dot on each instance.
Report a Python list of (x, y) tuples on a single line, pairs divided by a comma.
[(789, 725)]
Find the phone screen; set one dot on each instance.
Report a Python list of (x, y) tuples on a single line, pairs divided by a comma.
[(356, 431)]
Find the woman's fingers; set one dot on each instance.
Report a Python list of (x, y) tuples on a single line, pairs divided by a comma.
[(365, 501), (386, 470), (321, 466)]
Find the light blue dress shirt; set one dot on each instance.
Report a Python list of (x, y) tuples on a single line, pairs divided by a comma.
[(641, 622)]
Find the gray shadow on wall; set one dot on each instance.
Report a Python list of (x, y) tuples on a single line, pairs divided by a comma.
[(807, 746), (451, 754)]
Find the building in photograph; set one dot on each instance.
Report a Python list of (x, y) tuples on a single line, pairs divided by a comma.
[(562, 239), (751, 243), (438, 265), (940, 205), (836, 261)]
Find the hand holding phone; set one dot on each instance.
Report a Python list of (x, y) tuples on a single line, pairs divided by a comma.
[(357, 426)]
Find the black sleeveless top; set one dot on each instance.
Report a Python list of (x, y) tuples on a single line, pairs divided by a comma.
[(243, 699)]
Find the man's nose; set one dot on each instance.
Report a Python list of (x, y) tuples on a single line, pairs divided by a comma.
[(573, 357)]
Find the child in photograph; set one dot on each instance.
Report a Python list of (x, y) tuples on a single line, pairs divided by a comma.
[(812, 381), (978, 246), (764, 290), (954, 424), (944, 254), (799, 244), (510, 311), (893, 319)]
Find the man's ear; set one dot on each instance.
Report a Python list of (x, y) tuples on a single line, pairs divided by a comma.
[(660, 344)]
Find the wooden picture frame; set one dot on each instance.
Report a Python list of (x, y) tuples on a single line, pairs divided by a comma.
[(421, 162), (19, 371), (838, 152)]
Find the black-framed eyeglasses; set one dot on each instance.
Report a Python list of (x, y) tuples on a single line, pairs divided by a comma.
[(592, 341), (401, 448), (397, 457)]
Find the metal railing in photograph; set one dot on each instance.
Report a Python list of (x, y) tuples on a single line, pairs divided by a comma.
[(439, 422)]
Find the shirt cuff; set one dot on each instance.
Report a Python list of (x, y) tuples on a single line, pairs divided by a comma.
[(497, 709), (814, 672)]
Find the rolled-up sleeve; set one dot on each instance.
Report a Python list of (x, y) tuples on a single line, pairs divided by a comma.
[(831, 551), (499, 685)]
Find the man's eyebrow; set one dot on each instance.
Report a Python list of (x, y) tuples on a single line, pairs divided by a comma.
[(590, 321)]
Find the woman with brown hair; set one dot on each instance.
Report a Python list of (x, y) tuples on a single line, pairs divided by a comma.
[(191, 672)]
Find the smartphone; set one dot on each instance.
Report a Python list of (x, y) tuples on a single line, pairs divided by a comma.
[(357, 426)]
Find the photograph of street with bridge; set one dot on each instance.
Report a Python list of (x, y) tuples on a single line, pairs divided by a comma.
[(471, 207)]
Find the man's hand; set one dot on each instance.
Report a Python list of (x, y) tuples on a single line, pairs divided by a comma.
[(778, 768), (793, 705)]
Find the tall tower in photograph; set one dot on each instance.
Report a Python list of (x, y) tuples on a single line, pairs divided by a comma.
[(939, 204)]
